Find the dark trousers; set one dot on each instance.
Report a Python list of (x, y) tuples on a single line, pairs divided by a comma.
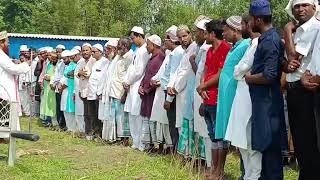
[(272, 164), (303, 129), (317, 115), (172, 124), (60, 115), (93, 126)]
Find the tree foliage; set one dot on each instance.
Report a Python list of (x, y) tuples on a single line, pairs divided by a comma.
[(114, 18)]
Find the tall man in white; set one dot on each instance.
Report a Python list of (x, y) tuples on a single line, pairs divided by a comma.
[(133, 78)]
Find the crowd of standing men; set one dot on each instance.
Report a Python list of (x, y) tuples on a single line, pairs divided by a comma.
[(195, 94)]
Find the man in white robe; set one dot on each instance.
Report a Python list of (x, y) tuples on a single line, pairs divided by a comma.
[(132, 82)]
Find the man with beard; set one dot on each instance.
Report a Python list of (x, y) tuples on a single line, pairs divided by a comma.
[(8, 73), (110, 49), (56, 83), (239, 126), (83, 72), (178, 88), (301, 46), (48, 97), (267, 118)]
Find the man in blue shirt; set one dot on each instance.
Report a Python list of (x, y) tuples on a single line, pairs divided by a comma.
[(264, 86)]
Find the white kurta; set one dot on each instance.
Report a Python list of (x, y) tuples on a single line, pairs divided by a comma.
[(181, 77), (158, 113), (239, 129), (134, 76), (8, 81), (200, 125)]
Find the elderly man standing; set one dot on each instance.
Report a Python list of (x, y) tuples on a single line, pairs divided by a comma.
[(8, 74), (147, 91), (299, 48), (79, 118), (83, 72), (111, 49), (131, 84), (100, 66), (48, 99), (55, 84)]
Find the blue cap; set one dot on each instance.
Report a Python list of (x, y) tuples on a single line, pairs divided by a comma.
[(260, 8)]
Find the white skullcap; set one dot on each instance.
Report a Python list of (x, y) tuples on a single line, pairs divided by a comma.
[(87, 44), (60, 46), (98, 46), (66, 53), (3, 35), (155, 39), (234, 22), (24, 48), (137, 29), (77, 48), (202, 24), (113, 43), (172, 33), (42, 49), (48, 49), (172, 28), (292, 3), (74, 52)]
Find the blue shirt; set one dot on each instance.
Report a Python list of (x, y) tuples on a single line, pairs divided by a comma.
[(172, 66), (267, 101)]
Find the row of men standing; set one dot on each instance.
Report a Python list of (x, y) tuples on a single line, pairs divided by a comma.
[(232, 80)]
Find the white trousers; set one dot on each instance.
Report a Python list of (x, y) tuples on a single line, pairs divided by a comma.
[(252, 161), (79, 119), (135, 123), (25, 101), (70, 121), (208, 150)]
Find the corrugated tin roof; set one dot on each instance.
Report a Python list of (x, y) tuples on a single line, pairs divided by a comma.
[(47, 36)]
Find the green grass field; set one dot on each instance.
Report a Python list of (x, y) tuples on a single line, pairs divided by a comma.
[(58, 155)]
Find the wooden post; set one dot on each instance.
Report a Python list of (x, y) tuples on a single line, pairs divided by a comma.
[(13, 120)]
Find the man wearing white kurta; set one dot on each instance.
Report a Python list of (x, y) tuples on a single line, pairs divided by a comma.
[(200, 126), (83, 72), (178, 82), (98, 68), (79, 118), (132, 82), (8, 74)]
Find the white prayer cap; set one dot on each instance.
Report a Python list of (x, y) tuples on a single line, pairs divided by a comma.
[(87, 44), (24, 48), (137, 29), (99, 47), (202, 24), (172, 33), (173, 28), (42, 49), (113, 43), (60, 46), (48, 49), (292, 3), (234, 22), (155, 39), (3, 35), (66, 53), (77, 48), (74, 52)]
